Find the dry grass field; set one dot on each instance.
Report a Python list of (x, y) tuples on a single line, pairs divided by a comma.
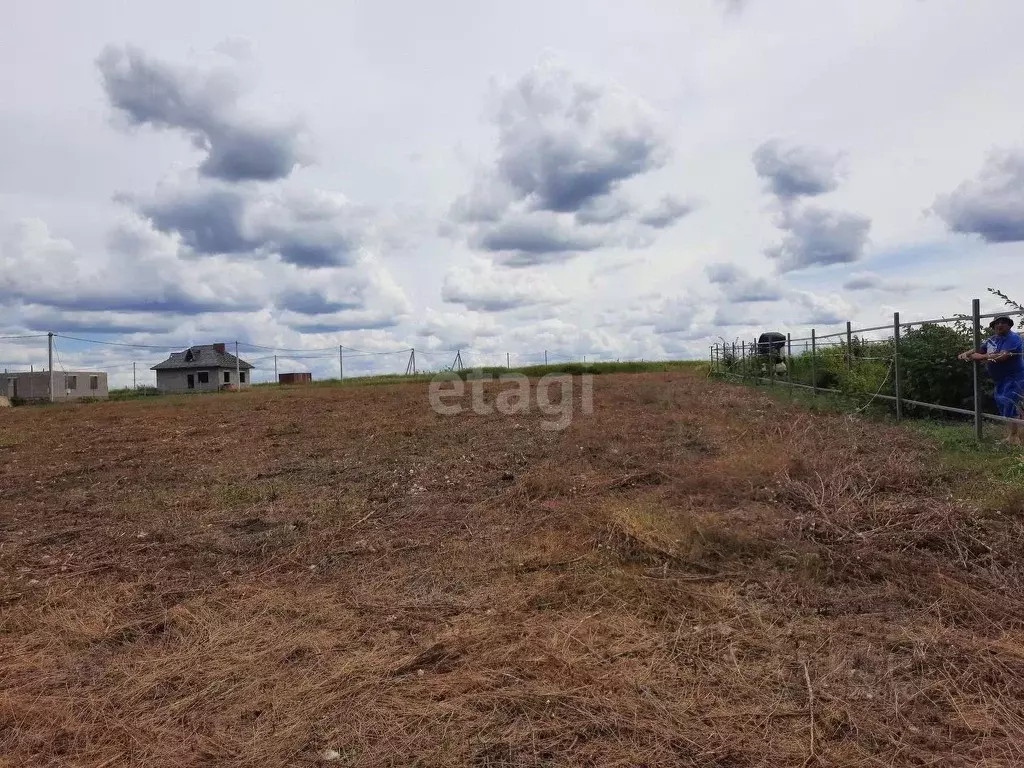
[(696, 574)]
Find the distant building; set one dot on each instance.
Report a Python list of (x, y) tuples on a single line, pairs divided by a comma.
[(295, 378), (68, 385), (201, 368)]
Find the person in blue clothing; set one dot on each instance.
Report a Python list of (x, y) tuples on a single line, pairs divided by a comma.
[(1003, 355)]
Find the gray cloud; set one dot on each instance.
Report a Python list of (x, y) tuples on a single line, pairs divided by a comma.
[(565, 148), (209, 220), (864, 281), (991, 205), (564, 142), (204, 106), (870, 281), (312, 302), (100, 321), (819, 237), (795, 171), (531, 240), (604, 210), (140, 284), (741, 288), (329, 325), (668, 212), (301, 228)]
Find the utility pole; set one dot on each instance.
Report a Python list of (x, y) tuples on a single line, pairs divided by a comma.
[(238, 369), (275, 369), (134, 382), (508, 361), (341, 362), (545, 357), (49, 351)]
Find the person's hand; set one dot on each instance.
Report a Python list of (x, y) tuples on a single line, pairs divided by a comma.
[(968, 355)]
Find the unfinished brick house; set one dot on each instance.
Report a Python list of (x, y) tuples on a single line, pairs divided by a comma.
[(202, 368), (68, 385)]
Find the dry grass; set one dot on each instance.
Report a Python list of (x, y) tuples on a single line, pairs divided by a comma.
[(693, 575)]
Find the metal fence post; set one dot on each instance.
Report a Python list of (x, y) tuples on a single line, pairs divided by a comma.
[(976, 311), (814, 366), (789, 363), (896, 365), (849, 346), (743, 352)]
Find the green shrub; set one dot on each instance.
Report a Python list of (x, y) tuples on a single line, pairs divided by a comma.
[(929, 369)]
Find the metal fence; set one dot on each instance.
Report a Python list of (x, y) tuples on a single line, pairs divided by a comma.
[(759, 362)]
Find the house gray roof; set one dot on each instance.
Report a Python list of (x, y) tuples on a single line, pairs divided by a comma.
[(202, 356)]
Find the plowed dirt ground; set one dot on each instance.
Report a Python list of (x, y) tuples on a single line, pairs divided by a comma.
[(695, 574)]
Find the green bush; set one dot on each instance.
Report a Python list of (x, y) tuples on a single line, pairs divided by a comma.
[(929, 369)]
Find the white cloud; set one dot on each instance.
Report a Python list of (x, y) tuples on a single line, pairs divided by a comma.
[(337, 160), (482, 286)]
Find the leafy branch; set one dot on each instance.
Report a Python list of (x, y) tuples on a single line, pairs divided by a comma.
[(1006, 299)]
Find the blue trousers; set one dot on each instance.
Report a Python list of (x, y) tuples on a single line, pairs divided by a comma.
[(1008, 396)]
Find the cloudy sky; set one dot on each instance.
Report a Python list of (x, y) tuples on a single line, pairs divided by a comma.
[(587, 178)]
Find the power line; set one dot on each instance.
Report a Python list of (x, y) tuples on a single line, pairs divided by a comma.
[(286, 349), (374, 354), (123, 344)]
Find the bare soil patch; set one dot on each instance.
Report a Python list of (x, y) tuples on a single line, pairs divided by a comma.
[(694, 575)]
